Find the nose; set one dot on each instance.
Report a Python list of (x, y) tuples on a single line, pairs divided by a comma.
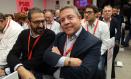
[(86, 14), (66, 21), (41, 25)]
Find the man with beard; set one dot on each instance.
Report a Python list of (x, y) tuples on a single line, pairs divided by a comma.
[(26, 55)]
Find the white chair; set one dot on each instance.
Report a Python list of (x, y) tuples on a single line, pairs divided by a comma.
[(110, 46), (13, 75)]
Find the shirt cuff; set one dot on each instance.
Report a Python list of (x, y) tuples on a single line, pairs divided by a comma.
[(17, 66), (7, 71), (61, 61)]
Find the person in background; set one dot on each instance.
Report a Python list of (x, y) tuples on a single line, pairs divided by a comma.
[(99, 29), (116, 13), (57, 16), (9, 16), (51, 23), (21, 18), (26, 55), (99, 14), (75, 51), (115, 31), (9, 31)]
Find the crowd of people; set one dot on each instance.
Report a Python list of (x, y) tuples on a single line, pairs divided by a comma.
[(47, 44)]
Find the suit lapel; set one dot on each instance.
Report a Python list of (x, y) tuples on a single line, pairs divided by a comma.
[(62, 43), (78, 46)]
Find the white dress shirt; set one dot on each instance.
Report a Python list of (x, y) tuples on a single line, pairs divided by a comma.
[(102, 32), (54, 26), (7, 39)]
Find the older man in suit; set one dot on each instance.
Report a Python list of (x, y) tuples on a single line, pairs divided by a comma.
[(75, 52), (115, 31)]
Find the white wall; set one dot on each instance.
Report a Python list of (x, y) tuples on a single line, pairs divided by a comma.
[(51, 4), (9, 6), (64, 3), (38, 3)]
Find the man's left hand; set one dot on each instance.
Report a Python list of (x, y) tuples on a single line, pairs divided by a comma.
[(56, 50), (2, 72)]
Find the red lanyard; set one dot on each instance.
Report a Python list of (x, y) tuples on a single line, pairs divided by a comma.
[(68, 51), (7, 25), (30, 51), (94, 27)]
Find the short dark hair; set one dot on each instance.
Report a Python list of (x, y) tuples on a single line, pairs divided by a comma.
[(33, 10), (116, 7), (2, 16), (71, 7), (11, 15), (95, 9), (51, 11)]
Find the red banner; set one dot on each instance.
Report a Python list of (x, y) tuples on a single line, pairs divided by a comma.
[(44, 4), (24, 5)]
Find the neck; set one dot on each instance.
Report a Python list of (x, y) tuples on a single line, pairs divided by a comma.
[(91, 22), (50, 22), (107, 19), (3, 26), (34, 35), (1, 30)]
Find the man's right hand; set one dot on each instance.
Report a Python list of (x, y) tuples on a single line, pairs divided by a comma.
[(2, 72), (73, 62), (24, 73)]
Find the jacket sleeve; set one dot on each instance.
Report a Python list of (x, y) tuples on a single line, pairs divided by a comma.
[(88, 66), (13, 57)]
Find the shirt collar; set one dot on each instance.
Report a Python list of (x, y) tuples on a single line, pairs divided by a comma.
[(51, 23), (106, 21), (76, 34), (94, 23), (32, 34)]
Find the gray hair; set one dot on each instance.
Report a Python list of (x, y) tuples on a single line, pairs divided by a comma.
[(71, 7)]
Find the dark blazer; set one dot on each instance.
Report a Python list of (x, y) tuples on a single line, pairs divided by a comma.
[(114, 25), (115, 29), (19, 52), (87, 48)]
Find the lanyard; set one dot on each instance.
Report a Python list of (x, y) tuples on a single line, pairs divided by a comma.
[(68, 51), (94, 27), (30, 51), (7, 25)]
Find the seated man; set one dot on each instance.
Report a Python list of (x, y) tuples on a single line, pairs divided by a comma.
[(75, 52), (26, 55), (9, 31)]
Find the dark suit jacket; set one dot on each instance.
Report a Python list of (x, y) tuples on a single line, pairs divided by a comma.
[(87, 48), (19, 52), (114, 25)]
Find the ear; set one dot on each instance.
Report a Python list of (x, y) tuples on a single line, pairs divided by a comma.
[(28, 21)]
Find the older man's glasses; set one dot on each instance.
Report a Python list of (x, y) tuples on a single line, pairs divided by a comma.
[(39, 21)]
